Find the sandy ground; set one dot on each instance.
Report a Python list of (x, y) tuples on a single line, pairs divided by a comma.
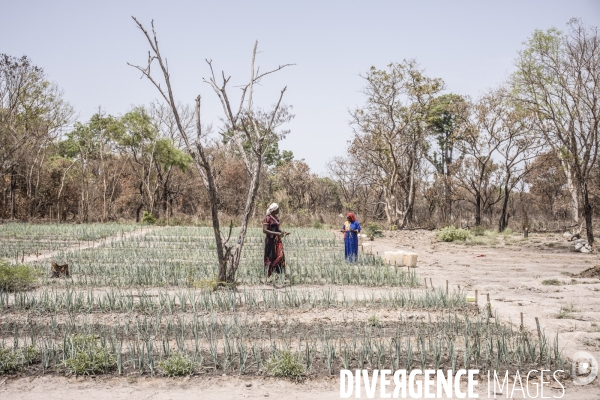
[(60, 388), (512, 274)]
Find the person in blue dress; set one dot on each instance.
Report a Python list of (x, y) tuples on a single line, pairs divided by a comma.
[(351, 229)]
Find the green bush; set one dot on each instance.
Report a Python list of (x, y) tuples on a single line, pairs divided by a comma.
[(84, 356), (478, 230), (373, 230), (11, 360), (450, 234), (552, 282), (374, 321), (17, 277), (176, 365), (317, 225), (148, 218), (284, 364), (8, 361)]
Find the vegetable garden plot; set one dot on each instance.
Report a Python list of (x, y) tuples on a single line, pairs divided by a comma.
[(135, 303), (239, 343), (17, 239), (186, 256), (184, 300)]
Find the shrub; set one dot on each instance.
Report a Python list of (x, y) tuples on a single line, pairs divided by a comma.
[(148, 218), (17, 277), (374, 321), (176, 365), (373, 230), (450, 234), (317, 225), (552, 282), (11, 360), (284, 364), (478, 230), (8, 361), (565, 311), (84, 356)]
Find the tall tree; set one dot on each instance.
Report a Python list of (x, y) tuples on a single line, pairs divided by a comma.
[(518, 146), (446, 120), (477, 174), (390, 130), (558, 81), (32, 114)]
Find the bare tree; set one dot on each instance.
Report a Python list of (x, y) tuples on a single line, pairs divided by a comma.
[(558, 80), (357, 185), (251, 129)]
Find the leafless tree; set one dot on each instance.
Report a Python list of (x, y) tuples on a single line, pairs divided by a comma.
[(251, 129)]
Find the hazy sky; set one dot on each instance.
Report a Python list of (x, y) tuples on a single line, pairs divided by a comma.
[(84, 46)]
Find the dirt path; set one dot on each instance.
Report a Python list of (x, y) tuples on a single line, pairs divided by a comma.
[(90, 244), (219, 388)]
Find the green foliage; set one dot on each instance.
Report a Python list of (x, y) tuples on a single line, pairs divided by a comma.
[(176, 365), (166, 154), (445, 116), (16, 277), (8, 361), (85, 356), (11, 359), (273, 156), (148, 218), (565, 311), (374, 321), (552, 282), (285, 364), (478, 230), (450, 234), (373, 230), (317, 225)]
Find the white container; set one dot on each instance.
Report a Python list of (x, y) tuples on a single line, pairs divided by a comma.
[(409, 259), (399, 258), (395, 257), (389, 257)]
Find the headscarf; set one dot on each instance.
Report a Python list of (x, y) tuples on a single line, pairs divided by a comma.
[(272, 207), (351, 216)]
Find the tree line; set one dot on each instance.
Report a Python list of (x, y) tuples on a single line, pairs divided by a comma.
[(522, 154)]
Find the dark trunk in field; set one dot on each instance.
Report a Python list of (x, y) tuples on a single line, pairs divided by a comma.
[(503, 223), (477, 209), (588, 213)]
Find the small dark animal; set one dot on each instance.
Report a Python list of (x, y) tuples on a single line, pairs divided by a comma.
[(58, 271)]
